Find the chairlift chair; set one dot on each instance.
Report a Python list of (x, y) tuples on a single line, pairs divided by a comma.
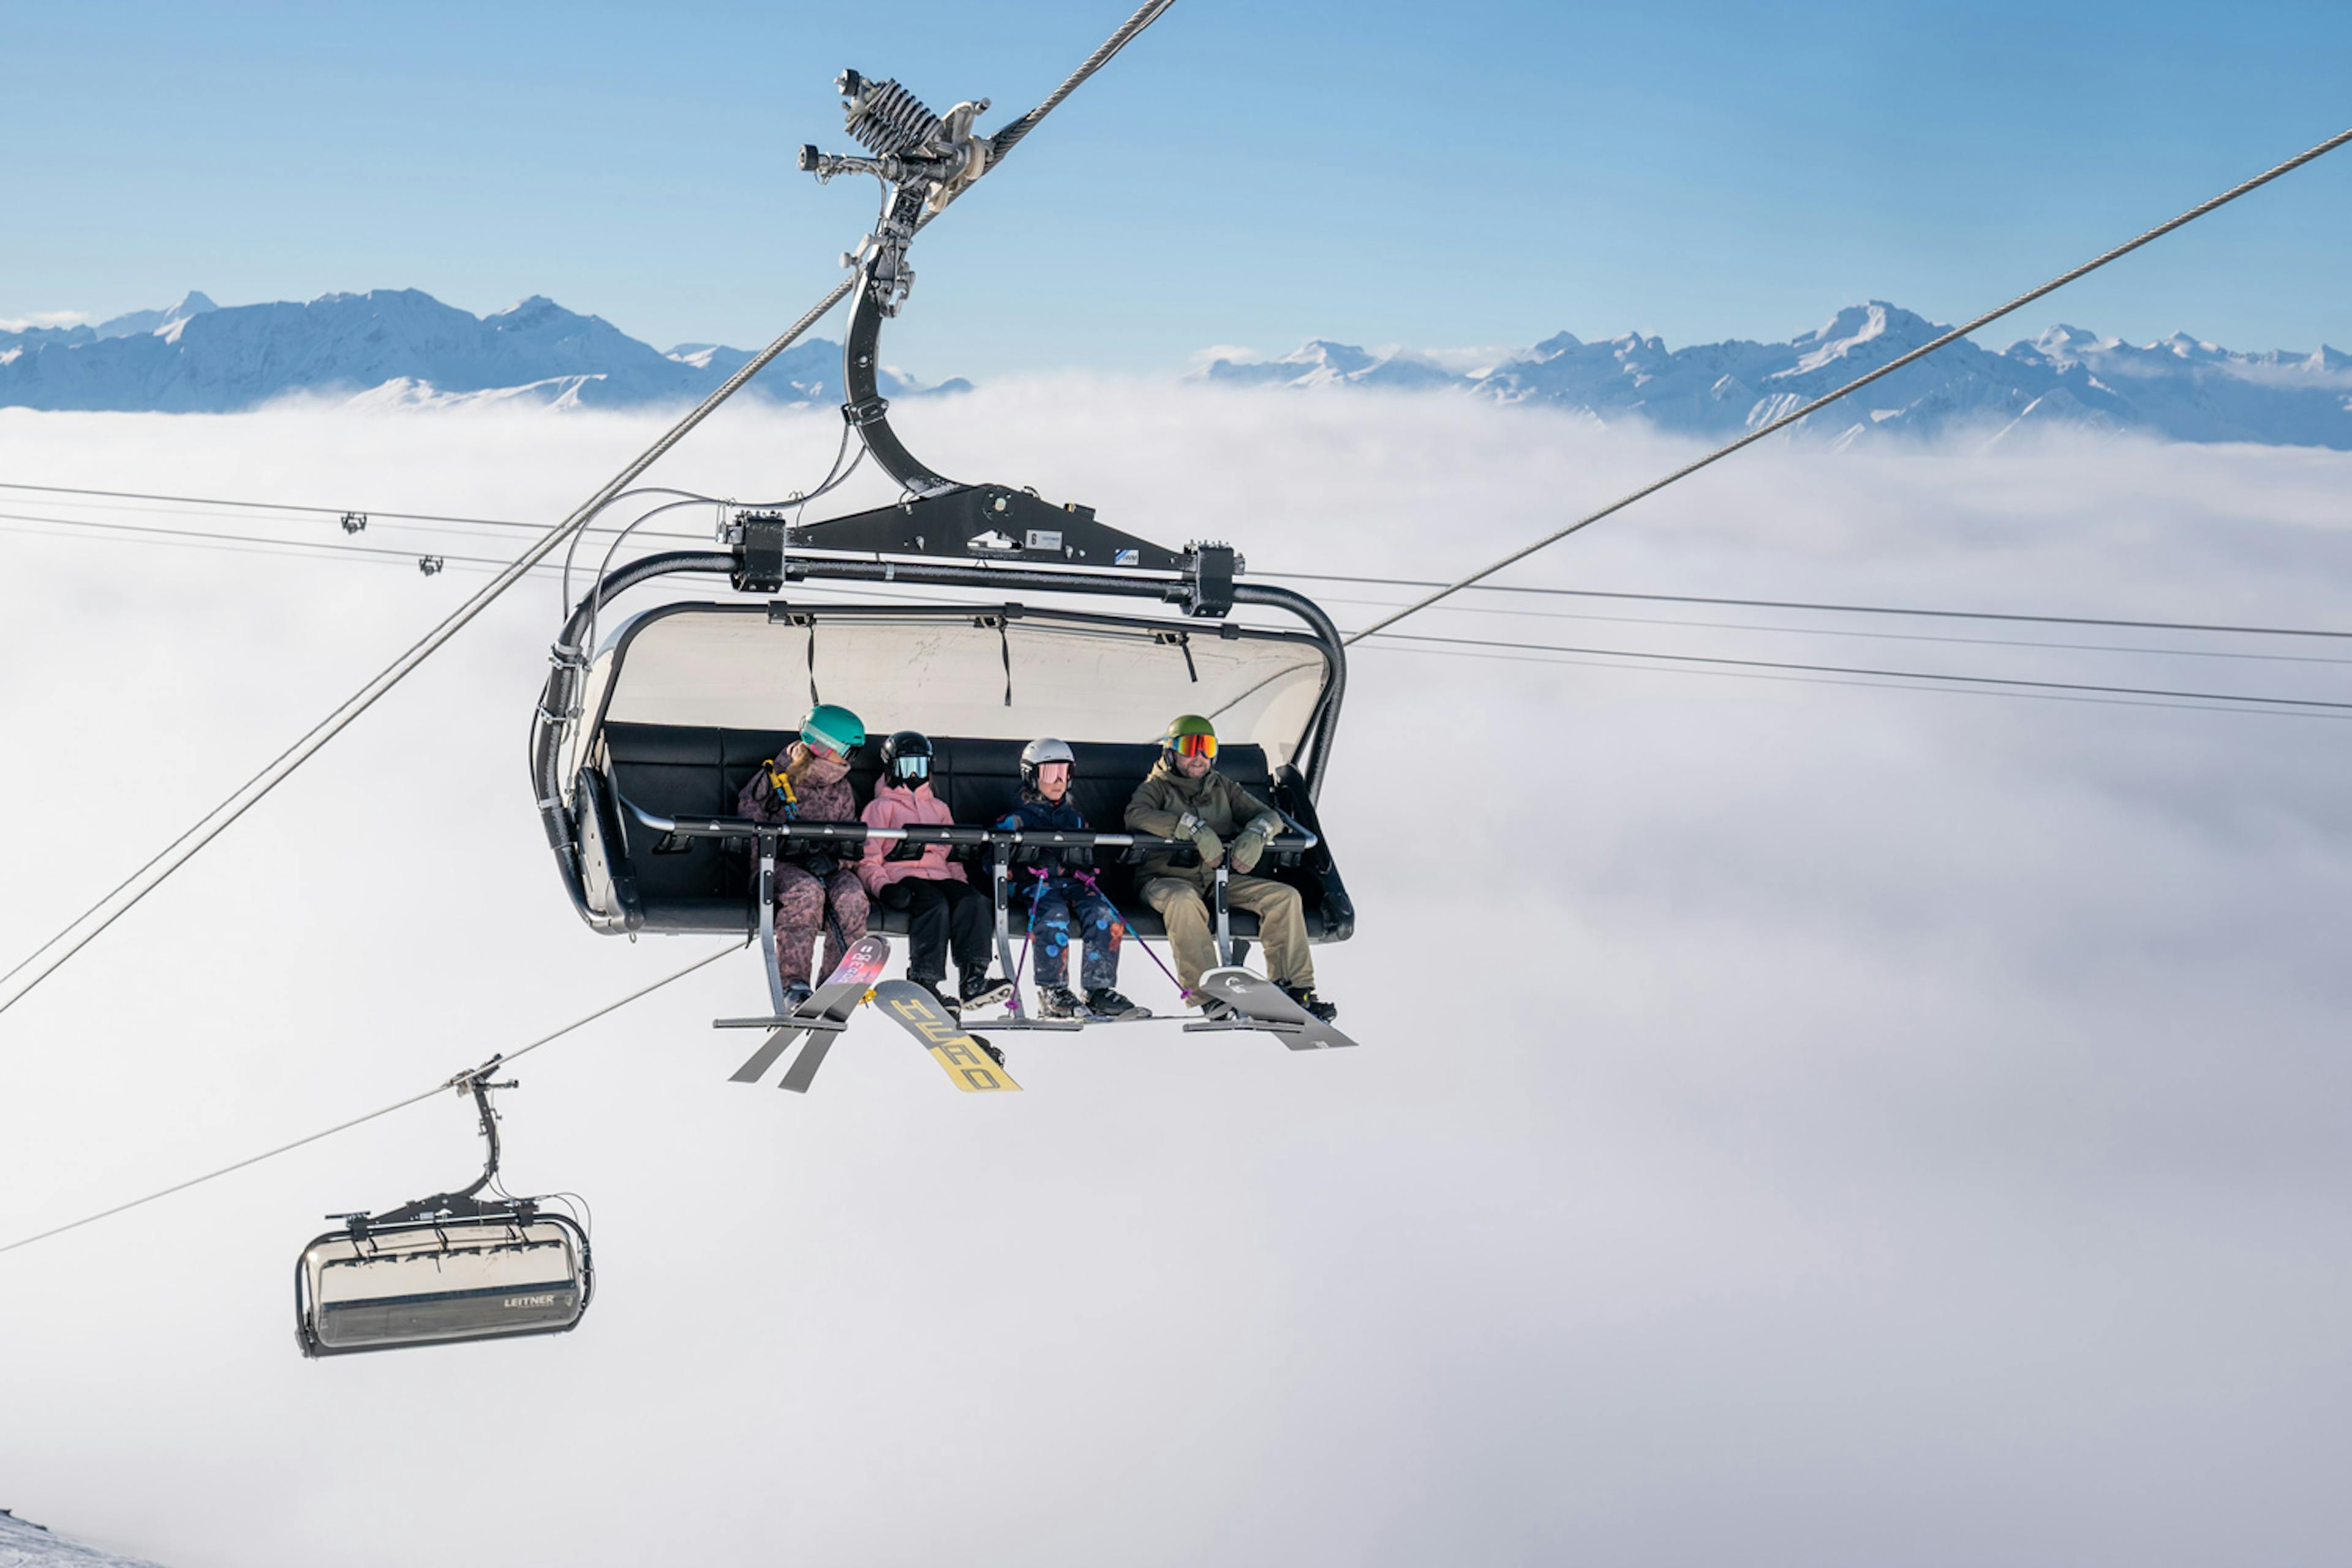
[(641, 741), (444, 1269)]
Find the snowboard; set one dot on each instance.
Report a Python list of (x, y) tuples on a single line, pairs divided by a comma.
[(831, 1002), (963, 1059), (1260, 1000)]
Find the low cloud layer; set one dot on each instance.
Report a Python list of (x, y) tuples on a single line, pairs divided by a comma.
[(1796, 1121)]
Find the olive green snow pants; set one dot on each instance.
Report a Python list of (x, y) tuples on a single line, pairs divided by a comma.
[(1281, 926)]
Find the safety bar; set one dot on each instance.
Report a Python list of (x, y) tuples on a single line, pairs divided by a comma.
[(858, 833)]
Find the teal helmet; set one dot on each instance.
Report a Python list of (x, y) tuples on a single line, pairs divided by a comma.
[(830, 725)]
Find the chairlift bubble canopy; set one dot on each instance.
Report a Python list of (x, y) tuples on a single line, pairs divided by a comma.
[(1003, 672)]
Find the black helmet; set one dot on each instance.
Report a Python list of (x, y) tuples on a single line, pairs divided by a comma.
[(1043, 750), (907, 759)]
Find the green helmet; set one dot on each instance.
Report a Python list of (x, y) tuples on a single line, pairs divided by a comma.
[(831, 725), (1188, 734)]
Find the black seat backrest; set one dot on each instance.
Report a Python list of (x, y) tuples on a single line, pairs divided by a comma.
[(672, 770), (679, 770)]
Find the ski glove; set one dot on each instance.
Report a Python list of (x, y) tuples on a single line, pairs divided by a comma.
[(1211, 848), (1250, 844)]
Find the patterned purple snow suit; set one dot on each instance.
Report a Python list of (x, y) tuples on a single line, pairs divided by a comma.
[(824, 794), (1057, 897)]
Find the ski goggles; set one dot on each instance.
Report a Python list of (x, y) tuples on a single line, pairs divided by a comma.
[(916, 767), (824, 750), (1194, 745)]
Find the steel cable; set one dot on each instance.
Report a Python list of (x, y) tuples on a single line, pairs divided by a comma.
[(1913, 675), (1534, 590), (439, 1089), (1005, 140), (214, 823), (1858, 382)]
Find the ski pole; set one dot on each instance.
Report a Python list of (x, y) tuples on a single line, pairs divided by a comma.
[(1183, 992), (1022, 962)]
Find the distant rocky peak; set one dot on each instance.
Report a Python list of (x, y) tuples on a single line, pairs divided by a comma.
[(130, 324)]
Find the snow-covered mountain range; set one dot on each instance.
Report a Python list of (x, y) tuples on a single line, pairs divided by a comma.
[(391, 346), (404, 348), (2179, 389)]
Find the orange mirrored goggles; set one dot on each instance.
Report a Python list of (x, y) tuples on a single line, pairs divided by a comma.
[(1194, 745)]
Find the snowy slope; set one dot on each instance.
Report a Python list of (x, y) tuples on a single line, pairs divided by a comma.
[(2180, 388), (398, 345), (26, 1545)]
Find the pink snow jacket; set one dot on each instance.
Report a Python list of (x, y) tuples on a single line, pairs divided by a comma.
[(897, 808)]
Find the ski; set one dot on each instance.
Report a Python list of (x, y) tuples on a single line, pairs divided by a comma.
[(1261, 1005), (826, 1010), (965, 1059)]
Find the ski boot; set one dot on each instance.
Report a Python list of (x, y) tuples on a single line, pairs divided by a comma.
[(1305, 996), (1059, 1002), (1108, 1005), (795, 993), (978, 988)]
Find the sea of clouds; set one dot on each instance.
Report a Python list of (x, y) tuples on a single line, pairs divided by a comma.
[(1796, 1121)]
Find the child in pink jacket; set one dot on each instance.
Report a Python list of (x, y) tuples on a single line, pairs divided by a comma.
[(942, 906)]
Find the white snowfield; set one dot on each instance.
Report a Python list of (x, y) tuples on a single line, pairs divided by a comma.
[(23, 1545)]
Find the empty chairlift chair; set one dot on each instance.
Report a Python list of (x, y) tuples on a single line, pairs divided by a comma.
[(444, 1269)]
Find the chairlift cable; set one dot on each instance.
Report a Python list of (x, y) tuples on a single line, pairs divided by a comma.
[(214, 823), (328, 551), (435, 1091), (1383, 646), (1005, 140), (1858, 382), (299, 548), (1918, 675), (2218, 628), (1826, 608), (321, 511), (1820, 631)]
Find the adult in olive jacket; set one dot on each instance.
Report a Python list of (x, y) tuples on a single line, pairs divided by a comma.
[(1185, 797)]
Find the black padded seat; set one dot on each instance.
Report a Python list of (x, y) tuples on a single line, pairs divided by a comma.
[(694, 885)]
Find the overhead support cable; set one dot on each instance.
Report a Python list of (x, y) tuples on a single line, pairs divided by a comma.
[(323, 513), (1386, 645), (443, 1087), (303, 548), (1825, 609), (828, 594), (312, 550), (1911, 675), (1943, 639), (61, 948), (1005, 140), (1858, 382)]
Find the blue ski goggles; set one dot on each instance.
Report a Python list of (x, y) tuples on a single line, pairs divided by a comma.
[(913, 769)]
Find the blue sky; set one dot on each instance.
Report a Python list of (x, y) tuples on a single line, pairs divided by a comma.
[(1477, 173)]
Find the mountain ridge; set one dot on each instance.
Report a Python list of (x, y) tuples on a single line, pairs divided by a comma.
[(2179, 388), (389, 346), (400, 348)]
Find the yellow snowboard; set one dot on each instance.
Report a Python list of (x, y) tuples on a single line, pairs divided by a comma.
[(965, 1061)]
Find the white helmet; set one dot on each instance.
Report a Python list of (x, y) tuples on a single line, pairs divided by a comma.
[(1045, 749)]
